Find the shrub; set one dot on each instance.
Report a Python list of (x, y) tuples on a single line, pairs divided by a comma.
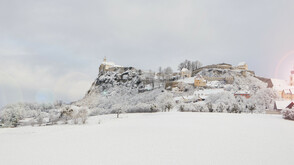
[(288, 114)]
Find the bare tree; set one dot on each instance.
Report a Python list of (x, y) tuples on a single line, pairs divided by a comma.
[(196, 65), (251, 108), (83, 114), (58, 104), (192, 66), (185, 64), (150, 78), (118, 112), (169, 106), (168, 72)]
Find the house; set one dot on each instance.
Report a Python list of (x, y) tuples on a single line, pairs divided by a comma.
[(186, 73), (199, 81), (287, 94), (245, 94), (280, 105), (277, 85), (284, 89)]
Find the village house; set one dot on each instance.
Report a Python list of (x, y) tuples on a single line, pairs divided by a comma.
[(199, 81), (280, 105), (284, 89), (245, 94), (288, 94), (186, 73)]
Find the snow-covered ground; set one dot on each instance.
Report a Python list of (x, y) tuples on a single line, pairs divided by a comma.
[(158, 138)]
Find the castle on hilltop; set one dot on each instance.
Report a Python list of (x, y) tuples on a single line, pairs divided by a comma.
[(108, 66)]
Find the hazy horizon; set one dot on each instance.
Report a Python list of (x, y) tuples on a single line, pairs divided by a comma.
[(51, 50)]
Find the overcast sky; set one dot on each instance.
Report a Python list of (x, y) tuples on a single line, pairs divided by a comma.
[(51, 49)]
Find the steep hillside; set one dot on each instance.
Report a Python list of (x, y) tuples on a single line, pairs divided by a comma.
[(124, 77), (121, 89)]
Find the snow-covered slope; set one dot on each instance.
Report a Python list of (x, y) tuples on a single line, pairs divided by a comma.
[(157, 139), (128, 77), (123, 89)]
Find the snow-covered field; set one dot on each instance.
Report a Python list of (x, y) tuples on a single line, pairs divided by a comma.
[(158, 138)]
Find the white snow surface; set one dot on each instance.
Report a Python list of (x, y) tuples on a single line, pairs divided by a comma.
[(158, 139), (111, 64)]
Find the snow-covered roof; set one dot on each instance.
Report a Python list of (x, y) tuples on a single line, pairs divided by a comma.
[(241, 64), (148, 87), (282, 104), (287, 91), (110, 64), (279, 83), (185, 70)]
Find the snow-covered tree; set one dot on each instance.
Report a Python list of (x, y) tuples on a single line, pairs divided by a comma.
[(12, 114), (168, 73), (165, 101), (288, 114), (263, 99), (224, 101)]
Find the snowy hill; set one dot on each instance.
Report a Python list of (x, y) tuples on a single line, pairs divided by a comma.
[(119, 88), (128, 90)]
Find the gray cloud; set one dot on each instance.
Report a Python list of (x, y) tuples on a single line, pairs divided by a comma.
[(44, 42)]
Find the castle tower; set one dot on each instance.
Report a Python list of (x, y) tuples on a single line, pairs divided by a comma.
[(292, 78), (102, 66)]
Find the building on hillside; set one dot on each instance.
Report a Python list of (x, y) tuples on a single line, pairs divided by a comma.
[(287, 94), (280, 105), (277, 85), (268, 81), (106, 66), (242, 66), (245, 94), (292, 78), (199, 81), (186, 73), (224, 66)]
